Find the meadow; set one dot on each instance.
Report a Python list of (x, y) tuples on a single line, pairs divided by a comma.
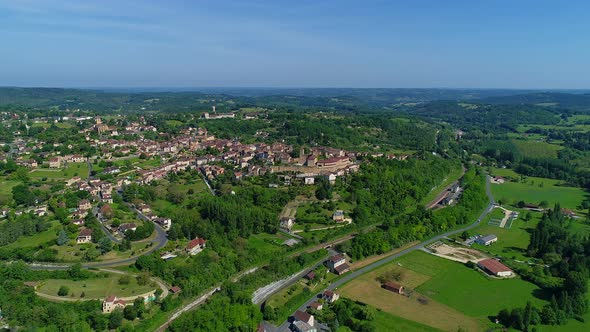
[(6, 191), (71, 170), (97, 288), (535, 190)]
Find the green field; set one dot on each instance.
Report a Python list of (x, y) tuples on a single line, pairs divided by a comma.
[(37, 239), (387, 322), (73, 169), (6, 191), (512, 243), (95, 288), (174, 123), (266, 242), (535, 190), (465, 289), (536, 149)]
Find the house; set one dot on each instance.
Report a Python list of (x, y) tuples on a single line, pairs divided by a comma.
[(107, 198), (299, 326), (196, 246), (127, 227), (309, 180), (316, 306), (287, 223), (494, 267), (487, 240), (84, 205), (338, 216), (166, 223), (330, 296), (498, 180), (568, 212), (78, 222), (175, 290), (78, 158), (55, 162), (393, 287), (303, 316), (85, 236), (111, 303), (310, 275), (337, 264)]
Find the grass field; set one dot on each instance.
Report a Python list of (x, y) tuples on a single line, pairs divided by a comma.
[(512, 243), (536, 149), (387, 322), (95, 288), (6, 191), (452, 292), (73, 169), (266, 242), (458, 286), (535, 190), (37, 239)]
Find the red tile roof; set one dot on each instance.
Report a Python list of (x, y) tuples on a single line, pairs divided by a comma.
[(302, 316), (196, 242), (493, 266)]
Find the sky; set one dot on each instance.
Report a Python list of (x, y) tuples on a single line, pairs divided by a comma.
[(295, 43)]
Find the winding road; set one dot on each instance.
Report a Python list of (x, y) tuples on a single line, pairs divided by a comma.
[(352, 275)]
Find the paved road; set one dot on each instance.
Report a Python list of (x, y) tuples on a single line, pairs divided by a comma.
[(352, 275), (101, 220)]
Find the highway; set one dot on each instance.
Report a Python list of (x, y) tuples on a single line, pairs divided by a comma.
[(352, 275)]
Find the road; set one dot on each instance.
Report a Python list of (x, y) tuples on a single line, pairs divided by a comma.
[(352, 275), (101, 220), (264, 293)]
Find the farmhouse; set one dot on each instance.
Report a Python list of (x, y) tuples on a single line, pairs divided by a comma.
[(487, 240), (111, 303), (337, 264), (196, 246), (494, 267), (85, 236), (393, 287)]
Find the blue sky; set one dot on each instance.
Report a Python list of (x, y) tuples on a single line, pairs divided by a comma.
[(302, 43)]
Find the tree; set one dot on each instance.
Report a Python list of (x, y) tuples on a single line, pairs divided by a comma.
[(105, 245), (130, 312), (124, 280), (62, 238), (116, 319), (465, 235), (63, 291), (139, 306)]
